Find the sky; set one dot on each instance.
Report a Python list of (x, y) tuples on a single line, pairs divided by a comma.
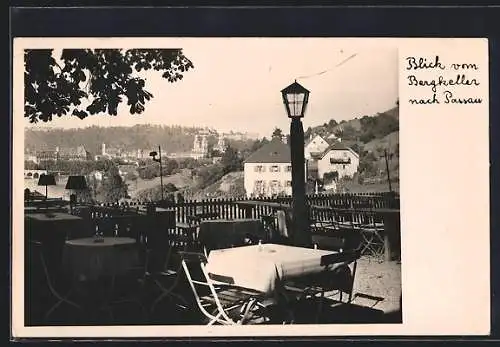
[(236, 82)]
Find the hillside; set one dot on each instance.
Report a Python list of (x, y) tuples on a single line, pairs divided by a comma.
[(360, 129), (230, 185), (369, 136), (391, 144), (144, 188), (171, 138)]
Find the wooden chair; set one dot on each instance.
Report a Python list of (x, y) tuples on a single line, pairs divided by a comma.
[(220, 303)]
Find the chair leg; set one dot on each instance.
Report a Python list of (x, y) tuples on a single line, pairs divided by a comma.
[(352, 282), (166, 293), (320, 307), (60, 299)]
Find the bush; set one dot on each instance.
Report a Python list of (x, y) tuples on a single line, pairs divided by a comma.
[(209, 174), (331, 176), (170, 188)]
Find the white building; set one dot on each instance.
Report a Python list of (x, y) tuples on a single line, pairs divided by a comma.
[(268, 171), (338, 158), (200, 146), (315, 145), (221, 144)]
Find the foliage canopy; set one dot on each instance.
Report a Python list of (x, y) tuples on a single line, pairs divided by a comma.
[(100, 77)]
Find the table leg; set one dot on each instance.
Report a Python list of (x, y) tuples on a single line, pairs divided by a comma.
[(387, 247), (392, 237)]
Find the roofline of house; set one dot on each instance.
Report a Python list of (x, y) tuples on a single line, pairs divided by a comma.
[(338, 149), (267, 162)]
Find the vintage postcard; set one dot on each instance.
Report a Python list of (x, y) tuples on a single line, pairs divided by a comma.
[(250, 187)]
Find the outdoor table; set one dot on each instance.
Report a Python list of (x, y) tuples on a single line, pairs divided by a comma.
[(250, 205), (265, 267), (94, 266), (392, 227), (89, 260), (226, 232), (43, 226)]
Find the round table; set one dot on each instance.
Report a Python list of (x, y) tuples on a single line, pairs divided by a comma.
[(87, 259)]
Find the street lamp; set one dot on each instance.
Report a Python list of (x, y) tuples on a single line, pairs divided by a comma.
[(153, 155), (295, 99)]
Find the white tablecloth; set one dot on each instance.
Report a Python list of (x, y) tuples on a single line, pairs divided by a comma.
[(264, 267)]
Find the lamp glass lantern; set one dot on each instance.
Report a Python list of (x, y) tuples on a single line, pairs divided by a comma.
[(295, 98)]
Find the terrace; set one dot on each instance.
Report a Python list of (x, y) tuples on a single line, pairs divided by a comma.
[(212, 262)]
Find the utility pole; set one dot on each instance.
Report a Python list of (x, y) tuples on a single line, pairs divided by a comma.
[(386, 157), (161, 175)]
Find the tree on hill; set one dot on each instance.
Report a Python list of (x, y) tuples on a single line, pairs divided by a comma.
[(332, 123), (171, 165), (58, 87), (277, 133), (231, 160), (112, 188)]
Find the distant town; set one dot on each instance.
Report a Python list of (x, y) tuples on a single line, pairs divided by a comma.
[(200, 149), (358, 155)]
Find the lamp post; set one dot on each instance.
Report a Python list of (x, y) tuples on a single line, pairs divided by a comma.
[(154, 154), (295, 98)]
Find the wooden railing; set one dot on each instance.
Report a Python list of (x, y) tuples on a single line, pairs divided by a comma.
[(177, 213), (228, 209)]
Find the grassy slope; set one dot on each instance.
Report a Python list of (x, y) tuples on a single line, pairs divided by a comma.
[(180, 180)]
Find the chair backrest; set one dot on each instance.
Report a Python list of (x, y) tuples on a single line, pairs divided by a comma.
[(201, 285), (282, 223)]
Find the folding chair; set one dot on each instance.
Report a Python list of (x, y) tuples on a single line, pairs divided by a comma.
[(269, 223), (167, 276), (57, 290), (348, 242), (221, 303), (128, 287), (338, 281), (372, 231)]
